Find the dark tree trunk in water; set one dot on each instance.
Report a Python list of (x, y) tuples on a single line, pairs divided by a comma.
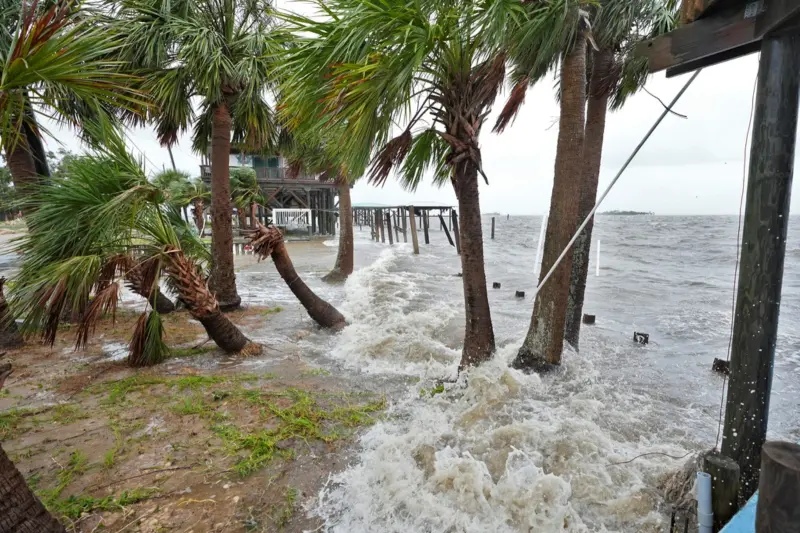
[(223, 332), (592, 157), (544, 342), (318, 309), (478, 333), (223, 278), (9, 334), (20, 509), (268, 241), (344, 258)]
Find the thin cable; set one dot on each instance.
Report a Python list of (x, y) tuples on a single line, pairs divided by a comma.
[(736, 266), (651, 453), (666, 112)]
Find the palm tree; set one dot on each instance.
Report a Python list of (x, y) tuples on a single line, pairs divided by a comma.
[(616, 74), (79, 266), (268, 242), (218, 52), (20, 509), (432, 67), (245, 194), (197, 194), (56, 60)]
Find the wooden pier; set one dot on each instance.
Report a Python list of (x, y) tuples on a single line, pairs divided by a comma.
[(383, 220)]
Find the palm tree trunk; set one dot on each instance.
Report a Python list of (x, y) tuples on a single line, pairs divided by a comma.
[(20, 509), (186, 213), (268, 241), (9, 334), (344, 258), (223, 278), (252, 215), (544, 342), (198, 215), (242, 218), (592, 157), (203, 306), (133, 279), (478, 333), (22, 167)]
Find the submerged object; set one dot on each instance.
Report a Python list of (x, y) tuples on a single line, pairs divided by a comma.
[(641, 338), (721, 366), (520, 294), (705, 517), (495, 285), (588, 319)]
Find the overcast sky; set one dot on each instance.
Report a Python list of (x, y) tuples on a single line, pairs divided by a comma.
[(689, 166)]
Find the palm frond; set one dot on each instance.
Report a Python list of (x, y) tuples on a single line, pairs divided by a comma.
[(147, 346)]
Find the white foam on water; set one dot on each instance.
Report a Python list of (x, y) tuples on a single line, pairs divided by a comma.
[(394, 326), (503, 451)]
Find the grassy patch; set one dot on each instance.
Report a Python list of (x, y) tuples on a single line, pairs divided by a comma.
[(66, 413), (271, 311), (190, 405), (11, 421), (74, 507), (191, 351), (284, 511), (118, 390), (74, 467), (316, 372)]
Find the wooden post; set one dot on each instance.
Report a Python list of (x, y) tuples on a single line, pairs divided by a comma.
[(779, 488), (396, 226), (413, 222), (389, 226), (313, 212), (456, 234), (766, 219), (724, 487), (332, 211), (380, 224), (446, 231), (425, 227), (375, 225), (405, 227), (492, 228)]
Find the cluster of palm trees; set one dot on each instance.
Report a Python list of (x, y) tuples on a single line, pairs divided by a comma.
[(358, 88)]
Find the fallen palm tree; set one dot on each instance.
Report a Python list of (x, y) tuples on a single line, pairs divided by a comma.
[(79, 267), (267, 241)]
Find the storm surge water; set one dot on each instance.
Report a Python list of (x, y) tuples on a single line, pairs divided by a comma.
[(496, 450)]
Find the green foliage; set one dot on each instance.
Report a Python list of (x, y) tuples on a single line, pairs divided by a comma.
[(74, 507), (244, 187), (219, 52)]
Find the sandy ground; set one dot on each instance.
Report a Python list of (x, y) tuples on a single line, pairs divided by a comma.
[(199, 443)]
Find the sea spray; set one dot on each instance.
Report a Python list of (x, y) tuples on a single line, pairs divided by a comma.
[(501, 451)]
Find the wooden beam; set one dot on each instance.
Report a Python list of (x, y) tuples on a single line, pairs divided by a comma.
[(727, 34)]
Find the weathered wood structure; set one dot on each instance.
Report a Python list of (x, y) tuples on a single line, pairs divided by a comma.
[(382, 218), (282, 191), (715, 31)]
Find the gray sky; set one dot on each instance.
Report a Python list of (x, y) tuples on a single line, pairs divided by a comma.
[(691, 166)]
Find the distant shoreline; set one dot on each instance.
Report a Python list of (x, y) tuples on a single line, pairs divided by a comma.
[(627, 213)]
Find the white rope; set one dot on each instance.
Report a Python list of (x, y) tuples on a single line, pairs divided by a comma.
[(613, 182)]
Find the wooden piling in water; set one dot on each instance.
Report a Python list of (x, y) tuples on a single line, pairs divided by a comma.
[(396, 226), (380, 225), (766, 219), (425, 227), (724, 486), (389, 227), (405, 228), (446, 231), (492, 228), (456, 234), (413, 223)]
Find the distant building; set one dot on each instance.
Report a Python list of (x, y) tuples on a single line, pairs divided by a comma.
[(280, 191)]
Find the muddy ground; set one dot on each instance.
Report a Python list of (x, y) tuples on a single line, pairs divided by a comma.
[(197, 444)]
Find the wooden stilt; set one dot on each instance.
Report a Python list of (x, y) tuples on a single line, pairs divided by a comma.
[(777, 510), (389, 227), (492, 228), (380, 225), (405, 227), (766, 220), (446, 231), (425, 226), (456, 234), (724, 487), (412, 221)]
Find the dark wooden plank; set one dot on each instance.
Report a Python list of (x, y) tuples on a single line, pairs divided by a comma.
[(727, 34), (766, 219), (724, 486)]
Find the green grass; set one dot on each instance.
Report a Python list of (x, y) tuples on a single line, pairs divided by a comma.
[(271, 311), (11, 421), (118, 390), (190, 405), (316, 372), (75, 466), (73, 507), (283, 512), (191, 351), (66, 413)]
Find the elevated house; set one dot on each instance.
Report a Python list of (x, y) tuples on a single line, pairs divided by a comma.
[(283, 192)]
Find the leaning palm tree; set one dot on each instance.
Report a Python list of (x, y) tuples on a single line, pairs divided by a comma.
[(218, 52), (197, 195), (432, 67), (58, 61), (79, 266), (616, 73), (245, 194)]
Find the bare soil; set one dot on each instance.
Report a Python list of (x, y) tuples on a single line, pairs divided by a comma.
[(197, 444)]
